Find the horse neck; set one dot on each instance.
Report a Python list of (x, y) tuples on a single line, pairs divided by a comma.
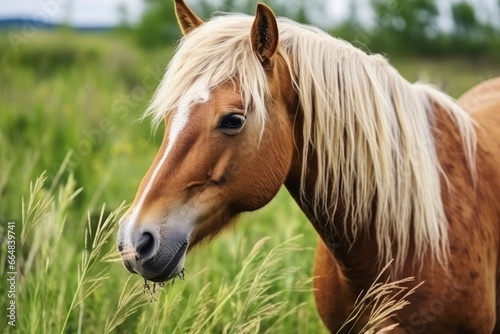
[(360, 254), (332, 231)]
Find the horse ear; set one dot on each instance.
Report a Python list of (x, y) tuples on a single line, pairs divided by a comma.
[(186, 18), (264, 34)]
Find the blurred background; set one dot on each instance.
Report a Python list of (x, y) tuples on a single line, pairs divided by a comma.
[(437, 27), (75, 77)]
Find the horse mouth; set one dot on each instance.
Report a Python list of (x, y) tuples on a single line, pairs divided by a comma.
[(172, 269)]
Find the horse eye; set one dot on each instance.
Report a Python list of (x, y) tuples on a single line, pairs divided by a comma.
[(232, 122)]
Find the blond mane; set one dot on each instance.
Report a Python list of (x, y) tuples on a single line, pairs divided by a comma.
[(369, 129)]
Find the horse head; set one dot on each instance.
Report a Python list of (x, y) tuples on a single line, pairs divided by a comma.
[(225, 150)]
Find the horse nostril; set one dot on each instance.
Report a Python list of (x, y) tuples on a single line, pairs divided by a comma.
[(145, 247)]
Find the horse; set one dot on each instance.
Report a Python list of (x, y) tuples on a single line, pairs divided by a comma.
[(382, 168)]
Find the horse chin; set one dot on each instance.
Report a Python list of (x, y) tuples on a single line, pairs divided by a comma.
[(175, 267)]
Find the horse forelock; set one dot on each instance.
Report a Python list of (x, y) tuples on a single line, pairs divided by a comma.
[(208, 57), (371, 130)]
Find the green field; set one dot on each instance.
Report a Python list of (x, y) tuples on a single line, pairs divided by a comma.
[(69, 106)]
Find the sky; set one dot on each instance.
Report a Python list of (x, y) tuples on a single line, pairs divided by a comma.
[(77, 12), (105, 12)]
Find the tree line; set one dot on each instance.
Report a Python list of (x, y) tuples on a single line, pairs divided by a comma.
[(398, 27)]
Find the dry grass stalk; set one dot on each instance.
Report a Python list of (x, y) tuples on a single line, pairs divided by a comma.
[(380, 302)]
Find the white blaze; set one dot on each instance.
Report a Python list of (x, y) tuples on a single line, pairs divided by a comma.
[(178, 123)]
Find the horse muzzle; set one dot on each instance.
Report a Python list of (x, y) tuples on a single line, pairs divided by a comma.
[(154, 256)]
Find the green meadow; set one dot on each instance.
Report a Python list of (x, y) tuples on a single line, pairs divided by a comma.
[(73, 150)]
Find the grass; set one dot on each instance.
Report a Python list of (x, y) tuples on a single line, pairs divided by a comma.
[(379, 303), (71, 153), (67, 288)]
